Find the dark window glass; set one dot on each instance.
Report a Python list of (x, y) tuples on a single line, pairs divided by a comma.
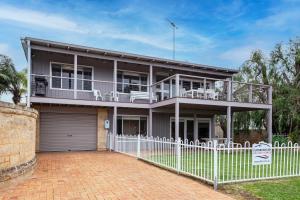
[(144, 83), (56, 82), (119, 126), (190, 130), (130, 127), (119, 84), (181, 130), (186, 85), (79, 82), (196, 85), (56, 70), (143, 126), (87, 75)]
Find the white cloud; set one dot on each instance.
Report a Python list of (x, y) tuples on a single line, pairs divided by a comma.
[(155, 35), (36, 18), (284, 19), (239, 54), (4, 49)]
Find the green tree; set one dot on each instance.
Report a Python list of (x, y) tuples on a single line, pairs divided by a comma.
[(281, 70), (12, 81)]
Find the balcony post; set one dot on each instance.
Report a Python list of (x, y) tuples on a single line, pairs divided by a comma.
[(150, 83), (176, 120), (115, 124), (75, 76), (250, 93), (162, 90), (177, 85), (204, 88), (228, 128), (150, 122), (270, 95), (170, 90), (229, 92), (269, 125), (115, 79), (28, 72)]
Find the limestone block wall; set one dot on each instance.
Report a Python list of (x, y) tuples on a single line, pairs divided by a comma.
[(17, 140)]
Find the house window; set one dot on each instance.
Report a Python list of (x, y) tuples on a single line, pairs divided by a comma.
[(132, 125), (131, 82), (63, 77)]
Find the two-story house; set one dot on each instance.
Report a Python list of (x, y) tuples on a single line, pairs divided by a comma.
[(83, 93)]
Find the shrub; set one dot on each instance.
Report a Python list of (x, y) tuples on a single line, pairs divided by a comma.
[(294, 136), (281, 139)]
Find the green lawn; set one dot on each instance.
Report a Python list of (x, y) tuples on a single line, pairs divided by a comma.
[(281, 189), (232, 166)]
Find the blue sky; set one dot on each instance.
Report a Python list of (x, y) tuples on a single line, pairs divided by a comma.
[(221, 33)]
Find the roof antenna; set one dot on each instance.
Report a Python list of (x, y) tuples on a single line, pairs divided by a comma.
[(174, 28)]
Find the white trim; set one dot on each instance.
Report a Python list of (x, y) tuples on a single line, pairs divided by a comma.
[(29, 79), (185, 119), (71, 67)]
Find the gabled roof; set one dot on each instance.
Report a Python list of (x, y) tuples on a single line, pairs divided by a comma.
[(118, 54)]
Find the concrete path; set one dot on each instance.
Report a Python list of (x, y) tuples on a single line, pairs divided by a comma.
[(103, 175)]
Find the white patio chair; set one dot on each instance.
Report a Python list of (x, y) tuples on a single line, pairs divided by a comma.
[(97, 95), (200, 93), (211, 94)]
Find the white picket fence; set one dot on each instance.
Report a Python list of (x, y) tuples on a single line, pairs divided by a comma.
[(211, 162)]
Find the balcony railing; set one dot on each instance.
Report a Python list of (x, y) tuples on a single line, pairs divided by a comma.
[(184, 86)]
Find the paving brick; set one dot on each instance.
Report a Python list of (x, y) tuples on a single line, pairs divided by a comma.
[(102, 176)]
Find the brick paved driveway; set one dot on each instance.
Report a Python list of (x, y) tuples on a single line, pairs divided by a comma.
[(103, 175)]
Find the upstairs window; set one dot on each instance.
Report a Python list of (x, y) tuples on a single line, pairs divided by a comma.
[(131, 82), (63, 77)]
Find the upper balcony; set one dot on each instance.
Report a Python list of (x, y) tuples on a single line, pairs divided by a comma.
[(136, 90)]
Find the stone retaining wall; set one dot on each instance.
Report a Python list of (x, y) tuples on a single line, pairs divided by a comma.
[(17, 140)]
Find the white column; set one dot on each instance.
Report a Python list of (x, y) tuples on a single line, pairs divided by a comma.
[(228, 123), (29, 73), (269, 125), (75, 76), (115, 121), (150, 122), (151, 82), (229, 91), (115, 79), (232, 127), (177, 85), (195, 128), (170, 90), (177, 120)]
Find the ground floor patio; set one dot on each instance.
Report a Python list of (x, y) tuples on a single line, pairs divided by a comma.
[(102, 175)]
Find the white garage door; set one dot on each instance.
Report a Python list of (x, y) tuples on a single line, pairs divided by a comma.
[(67, 131)]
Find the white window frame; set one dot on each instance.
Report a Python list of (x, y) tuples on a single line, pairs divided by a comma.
[(185, 119), (133, 73), (72, 66), (134, 117)]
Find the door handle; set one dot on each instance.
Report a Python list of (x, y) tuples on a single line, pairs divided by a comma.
[(69, 135)]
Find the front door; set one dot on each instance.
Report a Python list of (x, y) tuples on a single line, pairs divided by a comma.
[(203, 131)]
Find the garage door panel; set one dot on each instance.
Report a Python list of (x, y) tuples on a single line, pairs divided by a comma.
[(66, 131)]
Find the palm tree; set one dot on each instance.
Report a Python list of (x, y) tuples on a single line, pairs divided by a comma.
[(12, 81)]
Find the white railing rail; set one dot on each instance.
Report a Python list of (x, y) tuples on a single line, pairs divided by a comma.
[(211, 162)]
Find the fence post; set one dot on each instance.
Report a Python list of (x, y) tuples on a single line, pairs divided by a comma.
[(139, 146), (178, 154), (215, 165)]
